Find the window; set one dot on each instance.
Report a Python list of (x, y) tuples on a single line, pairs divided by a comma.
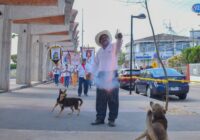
[(147, 47)]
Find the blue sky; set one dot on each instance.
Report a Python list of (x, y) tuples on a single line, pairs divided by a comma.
[(115, 14)]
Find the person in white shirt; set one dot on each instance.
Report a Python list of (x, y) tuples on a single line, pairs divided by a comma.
[(105, 67), (66, 73), (56, 71), (84, 73)]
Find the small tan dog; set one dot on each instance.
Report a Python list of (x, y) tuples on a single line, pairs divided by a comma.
[(156, 124)]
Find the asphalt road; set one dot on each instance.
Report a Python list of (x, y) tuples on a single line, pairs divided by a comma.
[(191, 104), (29, 111)]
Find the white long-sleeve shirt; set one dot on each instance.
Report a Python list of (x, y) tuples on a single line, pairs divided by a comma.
[(106, 65), (82, 72), (66, 72), (56, 70), (107, 59)]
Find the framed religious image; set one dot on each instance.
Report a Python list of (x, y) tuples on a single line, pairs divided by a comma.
[(55, 53), (71, 57), (88, 53)]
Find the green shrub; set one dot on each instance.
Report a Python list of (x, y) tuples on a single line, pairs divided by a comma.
[(13, 66), (191, 55)]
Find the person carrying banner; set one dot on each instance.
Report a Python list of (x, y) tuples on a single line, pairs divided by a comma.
[(66, 73), (56, 72), (84, 73)]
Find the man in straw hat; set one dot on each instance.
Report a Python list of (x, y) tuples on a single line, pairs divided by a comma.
[(105, 66)]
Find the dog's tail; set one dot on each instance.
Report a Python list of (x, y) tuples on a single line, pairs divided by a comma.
[(81, 101)]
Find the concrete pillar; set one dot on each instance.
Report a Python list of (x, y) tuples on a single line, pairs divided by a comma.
[(41, 61), (5, 47), (49, 63), (45, 63), (24, 55), (35, 58)]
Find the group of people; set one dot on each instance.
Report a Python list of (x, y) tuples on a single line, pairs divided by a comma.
[(105, 73), (70, 75), (80, 73)]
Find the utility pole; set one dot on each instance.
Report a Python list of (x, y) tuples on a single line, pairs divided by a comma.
[(174, 46), (172, 33), (140, 16), (82, 29)]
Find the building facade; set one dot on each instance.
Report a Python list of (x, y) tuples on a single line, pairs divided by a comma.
[(144, 50), (195, 36)]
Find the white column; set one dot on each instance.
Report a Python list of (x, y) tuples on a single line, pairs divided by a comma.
[(48, 67), (45, 62), (5, 47), (35, 58), (49, 63), (24, 55), (41, 60)]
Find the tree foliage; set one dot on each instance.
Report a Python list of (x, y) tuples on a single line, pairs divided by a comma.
[(13, 66), (121, 58), (14, 58), (176, 61), (191, 55)]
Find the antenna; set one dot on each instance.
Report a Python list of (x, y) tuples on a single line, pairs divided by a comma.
[(169, 28)]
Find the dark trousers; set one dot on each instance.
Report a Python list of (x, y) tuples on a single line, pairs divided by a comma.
[(105, 98), (66, 82), (82, 82), (56, 80)]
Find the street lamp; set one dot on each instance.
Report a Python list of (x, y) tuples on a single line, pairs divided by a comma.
[(140, 16)]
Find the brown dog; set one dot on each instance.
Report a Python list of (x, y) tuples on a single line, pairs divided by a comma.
[(65, 101), (156, 124)]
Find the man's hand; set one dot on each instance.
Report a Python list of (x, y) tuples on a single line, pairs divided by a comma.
[(118, 36)]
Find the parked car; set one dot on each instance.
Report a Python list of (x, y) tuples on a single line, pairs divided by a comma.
[(152, 88), (124, 77)]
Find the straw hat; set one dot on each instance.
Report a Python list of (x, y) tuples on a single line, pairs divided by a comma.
[(102, 33)]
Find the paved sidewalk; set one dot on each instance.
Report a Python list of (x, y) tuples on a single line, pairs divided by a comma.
[(76, 135), (14, 86), (25, 115)]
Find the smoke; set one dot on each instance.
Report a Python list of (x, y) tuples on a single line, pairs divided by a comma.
[(107, 80)]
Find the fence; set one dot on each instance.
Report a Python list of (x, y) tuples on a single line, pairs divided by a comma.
[(194, 72)]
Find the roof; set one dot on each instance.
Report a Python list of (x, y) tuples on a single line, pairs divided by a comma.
[(160, 38), (163, 37), (195, 31)]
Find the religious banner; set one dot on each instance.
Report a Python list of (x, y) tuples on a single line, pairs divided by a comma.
[(88, 53), (55, 53), (71, 58)]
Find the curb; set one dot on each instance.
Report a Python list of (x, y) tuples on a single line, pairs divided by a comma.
[(26, 86)]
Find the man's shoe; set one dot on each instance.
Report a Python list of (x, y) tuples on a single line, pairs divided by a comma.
[(97, 122), (111, 124)]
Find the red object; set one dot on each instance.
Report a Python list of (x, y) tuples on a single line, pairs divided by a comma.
[(83, 66), (50, 74), (62, 80)]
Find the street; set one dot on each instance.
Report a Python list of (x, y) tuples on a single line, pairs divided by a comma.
[(26, 114), (190, 105)]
